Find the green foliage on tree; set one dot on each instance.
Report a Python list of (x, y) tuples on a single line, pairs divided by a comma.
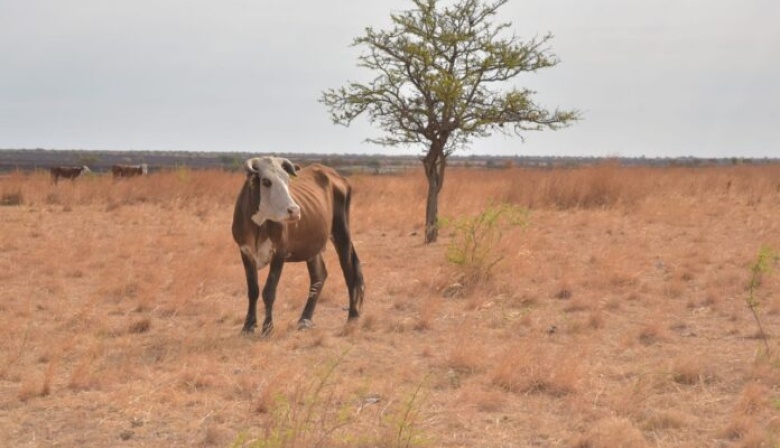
[(442, 78)]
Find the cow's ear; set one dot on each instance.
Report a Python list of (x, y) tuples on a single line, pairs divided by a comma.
[(290, 167)]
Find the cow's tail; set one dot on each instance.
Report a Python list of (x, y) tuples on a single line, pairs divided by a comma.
[(358, 285)]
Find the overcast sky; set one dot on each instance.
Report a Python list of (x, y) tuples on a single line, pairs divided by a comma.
[(655, 78)]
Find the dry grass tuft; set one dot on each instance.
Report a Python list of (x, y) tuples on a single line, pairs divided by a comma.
[(577, 304), (691, 371), (466, 356), (141, 325), (429, 311), (765, 370), (265, 394), (85, 376), (595, 187), (533, 367), (753, 400), (612, 432), (35, 386), (748, 422), (368, 322), (11, 198), (664, 420), (652, 333), (596, 319), (742, 428), (483, 399)]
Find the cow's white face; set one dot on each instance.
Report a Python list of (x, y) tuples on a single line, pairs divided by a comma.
[(271, 175)]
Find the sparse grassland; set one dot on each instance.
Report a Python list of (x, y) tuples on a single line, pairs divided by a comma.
[(616, 317)]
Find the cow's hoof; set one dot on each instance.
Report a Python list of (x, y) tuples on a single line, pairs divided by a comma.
[(247, 331), (268, 329), (305, 324)]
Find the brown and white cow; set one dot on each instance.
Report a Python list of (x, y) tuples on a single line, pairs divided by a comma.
[(120, 171), (68, 172), (278, 220)]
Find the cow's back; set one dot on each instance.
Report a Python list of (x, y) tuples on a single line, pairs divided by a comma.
[(315, 189)]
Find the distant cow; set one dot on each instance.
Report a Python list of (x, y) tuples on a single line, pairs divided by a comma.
[(129, 170), (277, 221), (68, 172)]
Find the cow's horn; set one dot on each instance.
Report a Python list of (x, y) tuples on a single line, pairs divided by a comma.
[(249, 166)]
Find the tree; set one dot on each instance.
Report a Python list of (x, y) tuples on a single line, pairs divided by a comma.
[(88, 159), (439, 78)]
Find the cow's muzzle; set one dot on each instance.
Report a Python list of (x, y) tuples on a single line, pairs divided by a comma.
[(293, 213)]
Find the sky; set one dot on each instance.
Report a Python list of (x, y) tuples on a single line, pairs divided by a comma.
[(654, 78)]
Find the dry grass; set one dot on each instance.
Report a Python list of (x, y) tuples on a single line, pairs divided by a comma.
[(617, 317)]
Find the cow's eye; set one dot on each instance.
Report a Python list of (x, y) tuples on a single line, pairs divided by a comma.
[(266, 182)]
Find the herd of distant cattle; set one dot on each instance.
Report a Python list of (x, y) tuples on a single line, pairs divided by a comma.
[(118, 171)]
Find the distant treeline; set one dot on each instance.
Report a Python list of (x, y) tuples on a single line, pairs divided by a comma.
[(101, 161)]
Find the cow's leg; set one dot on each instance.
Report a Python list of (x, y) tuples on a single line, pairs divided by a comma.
[(269, 291), (317, 275), (350, 265), (253, 292)]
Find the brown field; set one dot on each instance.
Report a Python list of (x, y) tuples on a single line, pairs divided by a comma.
[(617, 317)]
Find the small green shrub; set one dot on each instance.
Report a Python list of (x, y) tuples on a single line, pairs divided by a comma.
[(475, 245), (307, 418), (765, 258), (405, 424), (12, 198), (183, 173), (313, 414)]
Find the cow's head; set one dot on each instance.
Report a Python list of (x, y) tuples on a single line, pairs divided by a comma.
[(271, 176)]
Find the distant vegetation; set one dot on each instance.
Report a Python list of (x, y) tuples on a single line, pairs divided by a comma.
[(101, 161)]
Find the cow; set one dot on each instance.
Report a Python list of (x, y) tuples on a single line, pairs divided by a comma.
[(278, 220), (120, 171), (68, 172)]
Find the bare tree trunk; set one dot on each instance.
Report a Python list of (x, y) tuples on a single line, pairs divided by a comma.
[(434, 162)]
